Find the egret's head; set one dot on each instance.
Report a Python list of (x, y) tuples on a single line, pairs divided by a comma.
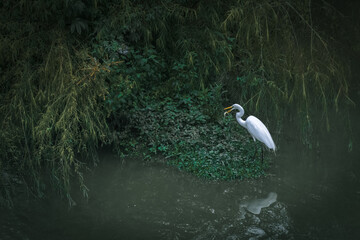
[(232, 107), (229, 109)]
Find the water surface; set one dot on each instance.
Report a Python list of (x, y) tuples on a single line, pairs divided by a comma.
[(307, 195)]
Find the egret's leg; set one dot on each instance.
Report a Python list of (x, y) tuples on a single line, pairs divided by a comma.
[(255, 151), (254, 155), (262, 155)]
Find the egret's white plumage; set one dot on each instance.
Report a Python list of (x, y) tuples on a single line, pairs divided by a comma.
[(254, 126)]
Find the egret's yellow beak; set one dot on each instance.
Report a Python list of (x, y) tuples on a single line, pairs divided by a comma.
[(231, 108)]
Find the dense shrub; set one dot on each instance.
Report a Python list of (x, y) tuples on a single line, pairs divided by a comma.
[(180, 129)]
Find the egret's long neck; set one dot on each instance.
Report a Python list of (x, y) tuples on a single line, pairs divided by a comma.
[(239, 115)]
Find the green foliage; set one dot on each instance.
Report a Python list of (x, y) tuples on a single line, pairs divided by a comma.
[(267, 54), (136, 70), (180, 129), (70, 15), (52, 112)]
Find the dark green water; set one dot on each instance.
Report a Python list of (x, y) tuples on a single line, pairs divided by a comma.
[(308, 195)]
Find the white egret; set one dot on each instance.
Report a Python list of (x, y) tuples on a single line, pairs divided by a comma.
[(254, 126)]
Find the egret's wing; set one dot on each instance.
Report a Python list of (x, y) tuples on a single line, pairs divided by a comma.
[(258, 130)]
